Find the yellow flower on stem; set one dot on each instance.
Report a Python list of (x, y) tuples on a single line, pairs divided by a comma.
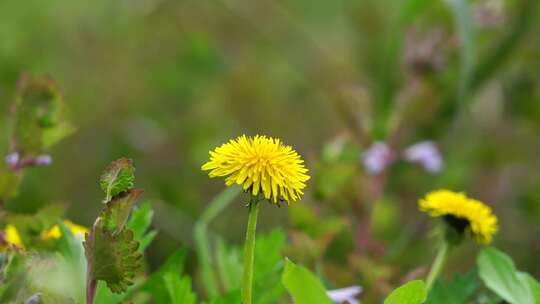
[(463, 213), (263, 165), (54, 233)]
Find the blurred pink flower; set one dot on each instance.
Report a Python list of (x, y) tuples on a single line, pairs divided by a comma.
[(377, 157), (12, 159), (43, 160), (426, 154), (345, 295)]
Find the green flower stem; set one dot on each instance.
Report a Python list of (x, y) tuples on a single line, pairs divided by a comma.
[(249, 251), (438, 265)]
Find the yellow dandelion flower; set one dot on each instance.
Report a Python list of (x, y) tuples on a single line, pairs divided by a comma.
[(12, 237), (455, 207), (54, 233), (261, 164)]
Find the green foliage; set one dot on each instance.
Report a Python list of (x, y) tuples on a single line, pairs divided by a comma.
[(303, 286), (203, 243), (114, 215), (111, 251), (67, 278), (229, 265), (113, 258), (534, 285), (268, 265), (458, 291), (498, 272), (154, 284), (118, 177), (40, 120), (13, 275), (139, 223), (413, 292), (179, 289)]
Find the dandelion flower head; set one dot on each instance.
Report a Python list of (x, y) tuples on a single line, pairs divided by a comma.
[(477, 217), (262, 165)]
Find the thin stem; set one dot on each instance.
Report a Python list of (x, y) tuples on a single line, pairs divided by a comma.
[(249, 251), (438, 265), (91, 287)]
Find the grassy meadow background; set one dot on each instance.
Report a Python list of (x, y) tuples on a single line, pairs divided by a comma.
[(163, 82)]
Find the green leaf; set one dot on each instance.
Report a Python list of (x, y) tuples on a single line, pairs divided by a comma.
[(303, 286), (498, 272), (534, 285), (413, 292), (118, 177), (112, 258), (154, 284), (139, 222), (203, 239), (229, 265), (458, 291), (67, 278), (13, 275), (268, 253), (114, 215), (179, 289)]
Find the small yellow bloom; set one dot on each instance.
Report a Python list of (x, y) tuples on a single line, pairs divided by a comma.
[(12, 237), (54, 233), (261, 164), (481, 221)]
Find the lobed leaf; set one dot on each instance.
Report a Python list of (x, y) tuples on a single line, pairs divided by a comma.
[(114, 215), (179, 289), (113, 258)]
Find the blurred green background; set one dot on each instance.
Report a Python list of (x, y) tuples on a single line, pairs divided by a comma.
[(162, 82)]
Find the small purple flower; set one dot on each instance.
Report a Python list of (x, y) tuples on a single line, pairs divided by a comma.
[(426, 154), (12, 159), (345, 295), (377, 157), (43, 160)]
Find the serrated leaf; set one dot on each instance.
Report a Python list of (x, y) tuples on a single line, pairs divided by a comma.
[(303, 286), (179, 289), (498, 272), (413, 292), (118, 177), (114, 215), (112, 258), (458, 291)]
